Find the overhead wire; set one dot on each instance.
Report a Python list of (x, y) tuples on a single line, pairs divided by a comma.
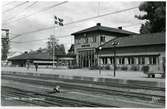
[(18, 5), (131, 25), (8, 3), (25, 9), (45, 9), (30, 41), (77, 21), (63, 36)]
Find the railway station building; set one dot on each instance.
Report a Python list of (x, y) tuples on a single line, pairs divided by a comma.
[(135, 51), (88, 40)]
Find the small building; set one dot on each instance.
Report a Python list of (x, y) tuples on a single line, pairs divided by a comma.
[(135, 51), (41, 58), (87, 40)]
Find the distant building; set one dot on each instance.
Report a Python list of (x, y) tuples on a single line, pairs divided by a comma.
[(87, 40), (42, 57), (135, 51)]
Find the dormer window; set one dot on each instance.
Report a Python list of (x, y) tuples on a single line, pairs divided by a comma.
[(94, 38)]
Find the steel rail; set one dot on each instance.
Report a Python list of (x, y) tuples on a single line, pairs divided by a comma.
[(109, 83), (92, 89), (10, 95), (60, 101)]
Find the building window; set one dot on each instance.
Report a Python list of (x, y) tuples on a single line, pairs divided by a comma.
[(77, 41), (86, 40), (141, 60), (94, 38), (80, 40), (111, 60), (131, 60), (102, 39), (104, 60), (121, 60), (152, 60)]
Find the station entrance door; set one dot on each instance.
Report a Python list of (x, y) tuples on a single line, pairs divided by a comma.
[(86, 58)]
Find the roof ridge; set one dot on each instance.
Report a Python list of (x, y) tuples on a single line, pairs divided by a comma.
[(104, 28)]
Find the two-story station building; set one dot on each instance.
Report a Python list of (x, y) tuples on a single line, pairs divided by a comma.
[(87, 40)]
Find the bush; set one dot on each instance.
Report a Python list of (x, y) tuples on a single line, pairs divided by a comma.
[(73, 67), (125, 68), (134, 68), (96, 67), (145, 69), (107, 67), (93, 67)]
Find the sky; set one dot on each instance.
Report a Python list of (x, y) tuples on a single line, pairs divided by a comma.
[(35, 15)]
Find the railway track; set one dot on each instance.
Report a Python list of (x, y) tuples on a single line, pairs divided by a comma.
[(109, 83), (49, 100), (141, 96)]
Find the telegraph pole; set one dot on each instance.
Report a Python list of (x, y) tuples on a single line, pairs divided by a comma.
[(53, 48), (57, 21), (5, 44)]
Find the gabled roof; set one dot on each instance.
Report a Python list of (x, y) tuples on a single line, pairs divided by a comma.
[(137, 40), (33, 55), (98, 27), (22, 56), (36, 56)]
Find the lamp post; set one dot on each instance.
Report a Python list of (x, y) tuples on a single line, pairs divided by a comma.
[(100, 48), (114, 45)]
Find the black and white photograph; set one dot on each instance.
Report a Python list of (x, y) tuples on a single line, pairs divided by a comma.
[(84, 54)]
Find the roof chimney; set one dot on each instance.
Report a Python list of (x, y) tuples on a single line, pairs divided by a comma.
[(98, 24), (120, 27)]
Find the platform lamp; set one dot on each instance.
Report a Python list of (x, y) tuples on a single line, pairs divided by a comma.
[(114, 45), (100, 48)]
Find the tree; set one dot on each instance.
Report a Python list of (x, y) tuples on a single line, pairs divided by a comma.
[(155, 16), (71, 50), (62, 48), (59, 49)]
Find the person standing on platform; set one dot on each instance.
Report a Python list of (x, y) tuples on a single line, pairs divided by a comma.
[(28, 65), (36, 67)]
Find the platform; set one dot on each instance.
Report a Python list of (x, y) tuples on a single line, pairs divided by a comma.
[(122, 77)]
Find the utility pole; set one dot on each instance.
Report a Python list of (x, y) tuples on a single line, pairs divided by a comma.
[(5, 44), (57, 21), (52, 39)]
